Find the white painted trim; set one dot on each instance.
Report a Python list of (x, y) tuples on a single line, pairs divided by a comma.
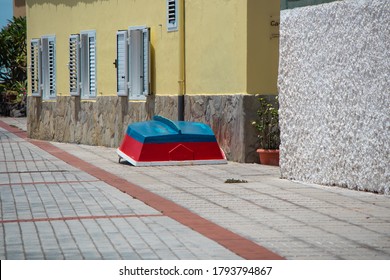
[(173, 162), (173, 26), (124, 59), (75, 38), (36, 44), (88, 95)]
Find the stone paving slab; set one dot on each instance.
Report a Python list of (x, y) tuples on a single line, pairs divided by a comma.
[(295, 220), (292, 219), (51, 210)]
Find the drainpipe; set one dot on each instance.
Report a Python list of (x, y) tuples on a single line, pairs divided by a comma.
[(182, 61)]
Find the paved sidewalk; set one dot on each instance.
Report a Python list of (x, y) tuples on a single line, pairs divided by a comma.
[(52, 210), (52, 205)]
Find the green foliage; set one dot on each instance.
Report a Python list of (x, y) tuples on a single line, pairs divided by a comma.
[(17, 91), (13, 51), (267, 124), (13, 63)]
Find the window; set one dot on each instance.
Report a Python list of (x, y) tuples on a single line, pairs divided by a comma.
[(74, 66), (121, 63), (43, 67), (82, 64), (133, 62), (35, 67), (172, 15)]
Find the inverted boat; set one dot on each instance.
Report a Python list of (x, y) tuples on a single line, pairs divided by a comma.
[(162, 141)]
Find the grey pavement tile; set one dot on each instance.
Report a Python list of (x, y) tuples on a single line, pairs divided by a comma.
[(101, 241), (65, 238), (129, 255), (298, 221), (34, 254), (71, 254), (164, 254), (15, 252), (83, 240), (147, 254), (185, 254)]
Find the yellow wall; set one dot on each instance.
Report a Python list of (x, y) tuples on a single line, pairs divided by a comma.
[(216, 46), (227, 44), (263, 46), (65, 17)]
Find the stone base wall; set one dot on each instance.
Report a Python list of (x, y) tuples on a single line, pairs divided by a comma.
[(68, 119), (230, 118), (104, 121), (334, 94)]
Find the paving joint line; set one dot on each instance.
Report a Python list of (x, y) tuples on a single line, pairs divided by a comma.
[(35, 171), (241, 246), (49, 183), (98, 217), (22, 160)]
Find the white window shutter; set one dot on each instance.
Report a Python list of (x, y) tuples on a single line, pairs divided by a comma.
[(146, 61), (44, 68), (84, 71), (74, 64), (92, 65), (135, 63), (139, 62), (121, 62), (87, 75), (172, 15), (48, 67), (51, 90), (34, 66)]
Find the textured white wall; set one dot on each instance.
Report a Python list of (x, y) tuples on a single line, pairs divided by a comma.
[(334, 87)]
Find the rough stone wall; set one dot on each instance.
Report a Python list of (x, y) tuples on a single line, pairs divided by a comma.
[(68, 119), (230, 118), (103, 122), (334, 87)]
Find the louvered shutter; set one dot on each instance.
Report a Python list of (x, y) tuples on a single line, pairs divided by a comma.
[(87, 65), (92, 65), (34, 66), (139, 63), (146, 61), (122, 63), (135, 63), (84, 69), (51, 69), (172, 15), (74, 65), (44, 67)]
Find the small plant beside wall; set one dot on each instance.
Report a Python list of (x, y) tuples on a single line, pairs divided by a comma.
[(268, 132)]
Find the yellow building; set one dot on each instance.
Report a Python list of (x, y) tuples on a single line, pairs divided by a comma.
[(98, 65)]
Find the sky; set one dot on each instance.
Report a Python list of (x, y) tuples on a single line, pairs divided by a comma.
[(6, 12)]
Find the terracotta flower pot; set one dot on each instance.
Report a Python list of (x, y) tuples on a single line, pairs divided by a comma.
[(269, 157)]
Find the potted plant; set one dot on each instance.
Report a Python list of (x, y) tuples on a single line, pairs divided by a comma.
[(268, 132)]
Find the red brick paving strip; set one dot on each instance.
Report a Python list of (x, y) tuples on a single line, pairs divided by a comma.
[(241, 246)]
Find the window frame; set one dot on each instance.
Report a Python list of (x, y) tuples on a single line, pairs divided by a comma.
[(35, 67), (137, 62), (49, 80), (122, 61), (172, 13), (85, 65), (43, 67), (74, 65)]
